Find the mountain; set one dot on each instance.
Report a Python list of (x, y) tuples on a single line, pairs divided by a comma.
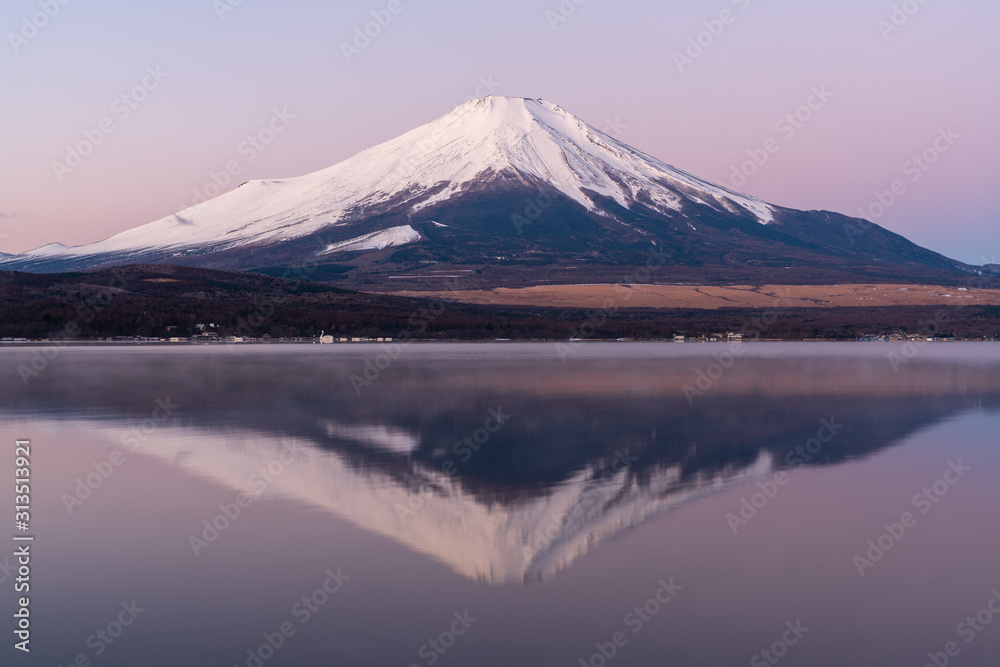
[(507, 191)]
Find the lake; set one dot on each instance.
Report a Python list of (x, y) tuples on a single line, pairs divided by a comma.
[(505, 504)]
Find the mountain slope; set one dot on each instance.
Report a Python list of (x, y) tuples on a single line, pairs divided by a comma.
[(506, 191)]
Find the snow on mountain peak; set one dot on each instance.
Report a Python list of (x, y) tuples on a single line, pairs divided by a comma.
[(536, 139), (485, 138)]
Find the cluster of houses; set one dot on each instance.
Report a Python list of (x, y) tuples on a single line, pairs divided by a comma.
[(904, 338), (729, 337), (206, 336)]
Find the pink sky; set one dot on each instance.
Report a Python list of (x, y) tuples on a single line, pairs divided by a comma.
[(613, 64)]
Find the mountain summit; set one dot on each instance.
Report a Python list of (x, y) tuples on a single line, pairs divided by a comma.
[(505, 191), (533, 141)]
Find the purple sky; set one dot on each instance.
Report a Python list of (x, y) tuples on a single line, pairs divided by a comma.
[(611, 63)]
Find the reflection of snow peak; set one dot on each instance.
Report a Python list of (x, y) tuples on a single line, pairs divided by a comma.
[(378, 436), (497, 543)]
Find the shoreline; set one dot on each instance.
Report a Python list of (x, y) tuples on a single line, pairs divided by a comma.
[(449, 341)]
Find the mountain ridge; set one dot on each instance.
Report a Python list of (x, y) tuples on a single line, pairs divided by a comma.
[(498, 190)]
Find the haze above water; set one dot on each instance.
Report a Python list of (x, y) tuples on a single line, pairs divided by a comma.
[(514, 508)]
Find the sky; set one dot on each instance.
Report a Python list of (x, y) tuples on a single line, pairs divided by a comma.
[(116, 113)]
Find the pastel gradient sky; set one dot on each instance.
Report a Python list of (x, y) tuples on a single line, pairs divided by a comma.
[(611, 63)]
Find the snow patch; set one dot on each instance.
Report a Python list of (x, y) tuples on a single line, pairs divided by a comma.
[(377, 240)]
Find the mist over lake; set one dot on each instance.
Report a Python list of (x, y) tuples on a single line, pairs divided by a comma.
[(492, 504)]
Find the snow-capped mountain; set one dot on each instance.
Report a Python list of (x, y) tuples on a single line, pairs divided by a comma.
[(497, 182)]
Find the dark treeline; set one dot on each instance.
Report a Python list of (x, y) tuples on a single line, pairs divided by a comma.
[(165, 301)]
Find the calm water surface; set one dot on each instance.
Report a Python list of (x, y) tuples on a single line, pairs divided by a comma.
[(487, 505)]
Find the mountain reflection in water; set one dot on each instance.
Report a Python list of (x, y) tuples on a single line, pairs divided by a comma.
[(500, 460)]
